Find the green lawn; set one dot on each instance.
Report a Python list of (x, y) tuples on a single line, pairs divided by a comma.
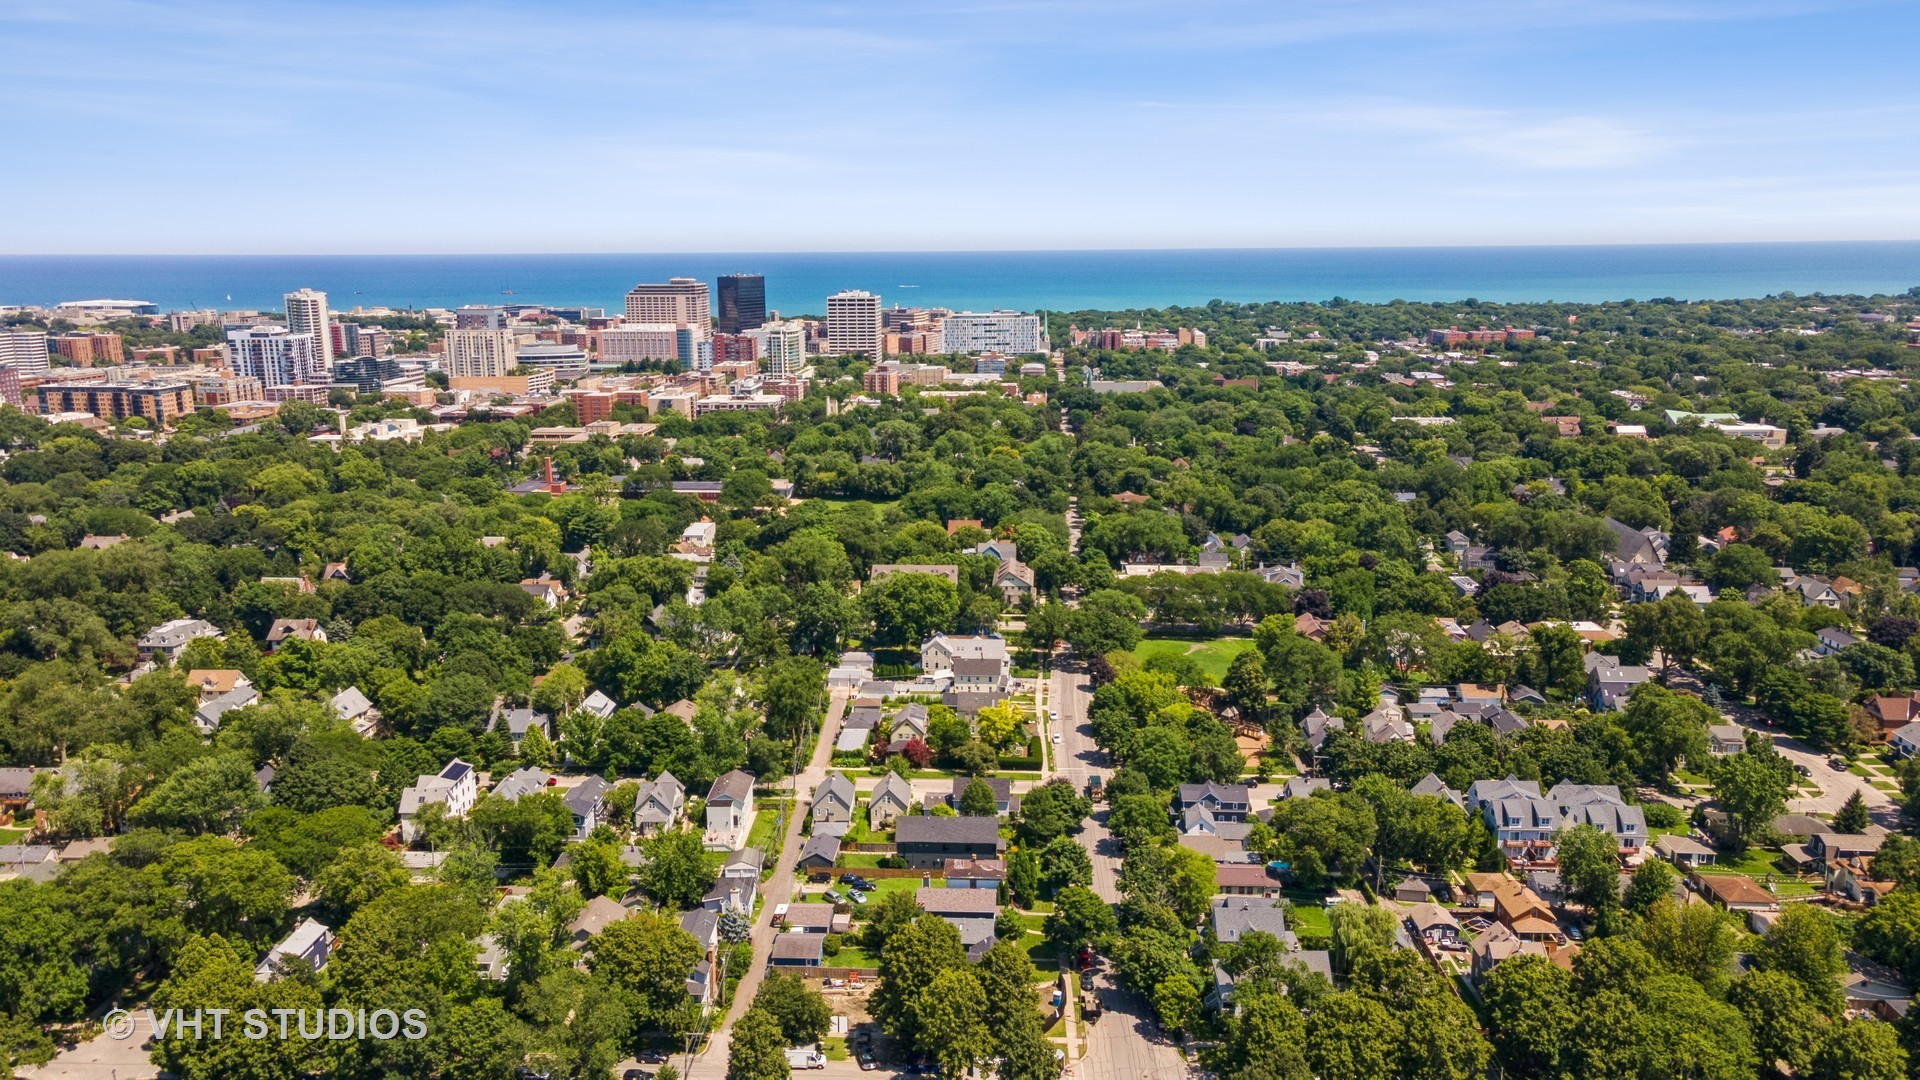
[(1212, 656), (1757, 863), (835, 1047), (1309, 915), (852, 956), (763, 833), (15, 834)]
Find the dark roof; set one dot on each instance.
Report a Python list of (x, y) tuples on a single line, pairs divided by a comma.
[(947, 830)]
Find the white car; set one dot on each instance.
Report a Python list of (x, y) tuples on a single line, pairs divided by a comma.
[(1056, 738)]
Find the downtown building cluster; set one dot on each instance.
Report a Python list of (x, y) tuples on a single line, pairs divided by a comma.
[(676, 346)]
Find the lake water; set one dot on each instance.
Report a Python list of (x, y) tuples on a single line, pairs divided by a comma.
[(798, 283)]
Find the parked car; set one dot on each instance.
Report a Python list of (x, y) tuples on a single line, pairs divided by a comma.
[(1056, 738), (1837, 763), (834, 897), (849, 879), (820, 877), (857, 896)]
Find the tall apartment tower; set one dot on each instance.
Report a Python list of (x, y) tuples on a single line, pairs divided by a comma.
[(782, 345), (479, 354), (682, 301), (25, 351), (276, 356), (853, 324), (743, 303), (307, 314)]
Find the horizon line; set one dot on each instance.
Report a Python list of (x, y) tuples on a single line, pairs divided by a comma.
[(944, 251)]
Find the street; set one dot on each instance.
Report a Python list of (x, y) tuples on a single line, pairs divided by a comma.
[(1124, 1044)]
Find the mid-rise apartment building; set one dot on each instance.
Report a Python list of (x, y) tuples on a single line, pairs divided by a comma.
[(86, 350), (159, 402), (853, 324), (1014, 332), (782, 346), (682, 301), (24, 350), (639, 342), (307, 314), (478, 354)]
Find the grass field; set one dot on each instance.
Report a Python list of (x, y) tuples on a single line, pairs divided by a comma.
[(1212, 656)]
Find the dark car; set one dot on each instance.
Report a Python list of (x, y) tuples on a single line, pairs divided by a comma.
[(848, 879), (1837, 763)]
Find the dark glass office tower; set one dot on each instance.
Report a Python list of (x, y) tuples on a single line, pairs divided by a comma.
[(743, 303)]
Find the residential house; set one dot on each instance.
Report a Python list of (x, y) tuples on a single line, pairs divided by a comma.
[(1610, 683), (599, 705), (970, 911), (818, 853), (833, 800), (455, 787), (595, 915), (809, 918), (1521, 910), (908, 724), (285, 630), (1524, 821), (1231, 918), (1734, 892), (352, 706), (1015, 581), (1004, 800), (1431, 784), (1826, 848), (1226, 802), (975, 873), (1684, 851), (1891, 712), (522, 782), (977, 683), (16, 787), (1318, 727), (517, 722), (207, 716), (336, 571), (892, 797), (1831, 640), (1854, 880), (798, 950), (1498, 944), (938, 653), (1639, 546), (1724, 739), (1243, 879), (546, 590), (1303, 787), (215, 682), (927, 843), (1412, 890), (1906, 740), (658, 804), (1434, 923), (1478, 889), (308, 946), (729, 809), (167, 640), (587, 801)]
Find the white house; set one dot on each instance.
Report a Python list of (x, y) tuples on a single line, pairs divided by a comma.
[(455, 787), (939, 652), (309, 943)]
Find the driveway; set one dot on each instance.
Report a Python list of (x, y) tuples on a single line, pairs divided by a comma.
[(711, 1063)]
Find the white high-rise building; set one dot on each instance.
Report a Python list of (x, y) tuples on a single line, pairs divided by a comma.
[(853, 324), (682, 301), (479, 354), (994, 331), (307, 314), (782, 346), (276, 356), (24, 350)]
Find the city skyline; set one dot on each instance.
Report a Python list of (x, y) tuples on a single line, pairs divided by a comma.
[(1132, 125)]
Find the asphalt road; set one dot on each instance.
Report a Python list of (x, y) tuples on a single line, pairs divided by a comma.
[(1124, 1044)]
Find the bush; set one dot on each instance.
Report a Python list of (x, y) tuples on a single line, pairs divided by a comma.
[(893, 862), (1661, 815), (831, 946)]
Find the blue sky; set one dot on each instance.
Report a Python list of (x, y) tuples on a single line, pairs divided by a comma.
[(287, 127)]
